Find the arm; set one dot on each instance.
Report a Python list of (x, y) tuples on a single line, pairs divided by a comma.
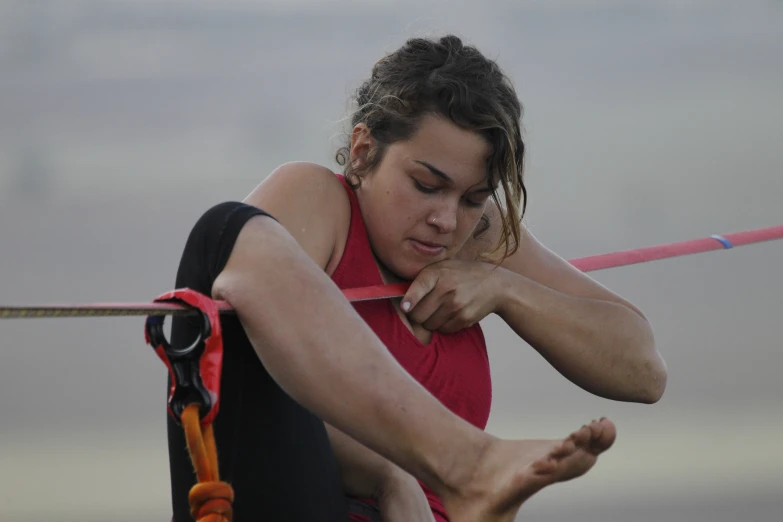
[(319, 350), (595, 338), (602, 346)]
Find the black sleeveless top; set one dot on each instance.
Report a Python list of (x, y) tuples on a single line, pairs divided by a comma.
[(274, 453)]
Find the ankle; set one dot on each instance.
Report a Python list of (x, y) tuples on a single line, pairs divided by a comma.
[(463, 469)]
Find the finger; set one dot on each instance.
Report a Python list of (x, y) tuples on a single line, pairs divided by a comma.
[(424, 283), (455, 323), (442, 315), (426, 307)]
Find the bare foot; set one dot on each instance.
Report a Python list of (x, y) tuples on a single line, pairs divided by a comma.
[(510, 472)]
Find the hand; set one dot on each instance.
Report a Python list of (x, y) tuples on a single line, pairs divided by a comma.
[(451, 295), (401, 499)]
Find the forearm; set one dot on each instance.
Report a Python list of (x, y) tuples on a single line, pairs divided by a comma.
[(604, 347), (324, 355)]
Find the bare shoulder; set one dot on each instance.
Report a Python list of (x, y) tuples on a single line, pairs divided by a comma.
[(302, 182), (311, 204)]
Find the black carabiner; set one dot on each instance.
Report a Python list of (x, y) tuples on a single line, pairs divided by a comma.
[(194, 370), (184, 363)]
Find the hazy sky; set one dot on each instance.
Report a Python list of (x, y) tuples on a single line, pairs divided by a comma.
[(646, 122)]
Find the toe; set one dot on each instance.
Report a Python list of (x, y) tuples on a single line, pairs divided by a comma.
[(602, 435), (608, 434), (544, 465), (582, 436), (564, 449)]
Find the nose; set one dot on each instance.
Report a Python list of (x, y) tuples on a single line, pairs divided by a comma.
[(444, 217)]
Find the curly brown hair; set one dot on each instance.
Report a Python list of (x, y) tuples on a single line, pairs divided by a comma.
[(455, 81)]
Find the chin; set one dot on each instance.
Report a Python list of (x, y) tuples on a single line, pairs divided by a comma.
[(408, 272), (407, 265), (405, 269), (409, 269)]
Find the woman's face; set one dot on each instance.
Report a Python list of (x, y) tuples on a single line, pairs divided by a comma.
[(425, 198)]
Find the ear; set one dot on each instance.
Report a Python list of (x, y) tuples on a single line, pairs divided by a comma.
[(362, 143)]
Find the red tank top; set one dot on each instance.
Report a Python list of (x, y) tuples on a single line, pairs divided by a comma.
[(453, 367)]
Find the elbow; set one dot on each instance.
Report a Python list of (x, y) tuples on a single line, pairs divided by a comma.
[(652, 375), (653, 393), (654, 383)]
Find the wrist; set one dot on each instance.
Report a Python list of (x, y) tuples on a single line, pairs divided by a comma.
[(504, 282)]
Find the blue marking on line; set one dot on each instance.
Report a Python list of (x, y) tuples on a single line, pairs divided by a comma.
[(722, 240)]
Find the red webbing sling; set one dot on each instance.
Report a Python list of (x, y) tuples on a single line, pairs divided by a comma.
[(194, 399)]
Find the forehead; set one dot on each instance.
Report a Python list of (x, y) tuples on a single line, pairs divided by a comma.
[(460, 153)]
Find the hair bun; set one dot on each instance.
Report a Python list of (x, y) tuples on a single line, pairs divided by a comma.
[(452, 42)]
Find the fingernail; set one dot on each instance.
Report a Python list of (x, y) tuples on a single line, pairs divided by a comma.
[(406, 306)]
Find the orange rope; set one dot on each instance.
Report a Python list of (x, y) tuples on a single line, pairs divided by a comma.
[(210, 499)]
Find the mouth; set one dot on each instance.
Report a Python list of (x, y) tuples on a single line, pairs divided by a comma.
[(426, 248)]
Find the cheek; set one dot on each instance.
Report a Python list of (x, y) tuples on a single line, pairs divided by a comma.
[(391, 217), (403, 208)]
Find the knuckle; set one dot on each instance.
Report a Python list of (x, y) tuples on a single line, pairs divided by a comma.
[(458, 301)]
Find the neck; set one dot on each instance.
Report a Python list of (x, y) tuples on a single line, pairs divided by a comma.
[(388, 276)]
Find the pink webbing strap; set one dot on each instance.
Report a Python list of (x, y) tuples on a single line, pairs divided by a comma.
[(585, 264)]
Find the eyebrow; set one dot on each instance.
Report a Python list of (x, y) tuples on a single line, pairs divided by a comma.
[(445, 177)]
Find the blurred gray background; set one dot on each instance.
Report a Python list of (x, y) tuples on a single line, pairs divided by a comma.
[(647, 122)]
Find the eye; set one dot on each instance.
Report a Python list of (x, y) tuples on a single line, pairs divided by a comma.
[(424, 189), (478, 201), (474, 204)]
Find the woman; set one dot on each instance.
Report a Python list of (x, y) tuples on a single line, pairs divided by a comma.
[(435, 141)]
